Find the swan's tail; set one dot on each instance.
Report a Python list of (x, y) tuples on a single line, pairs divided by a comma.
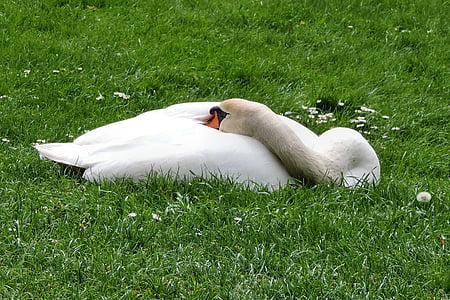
[(66, 153)]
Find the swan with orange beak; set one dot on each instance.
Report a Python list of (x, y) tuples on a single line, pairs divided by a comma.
[(253, 146)]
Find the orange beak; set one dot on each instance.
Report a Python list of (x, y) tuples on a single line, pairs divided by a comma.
[(213, 121)]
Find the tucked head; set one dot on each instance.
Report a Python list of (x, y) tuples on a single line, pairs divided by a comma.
[(235, 115)]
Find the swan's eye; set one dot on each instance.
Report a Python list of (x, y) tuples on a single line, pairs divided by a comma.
[(214, 109)]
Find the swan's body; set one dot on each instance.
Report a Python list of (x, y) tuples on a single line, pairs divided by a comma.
[(174, 141)]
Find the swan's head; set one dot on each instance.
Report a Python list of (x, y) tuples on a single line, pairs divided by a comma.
[(236, 116)]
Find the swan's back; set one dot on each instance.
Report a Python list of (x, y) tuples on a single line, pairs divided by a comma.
[(352, 154)]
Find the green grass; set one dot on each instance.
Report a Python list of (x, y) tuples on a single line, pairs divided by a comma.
[(62, 238)]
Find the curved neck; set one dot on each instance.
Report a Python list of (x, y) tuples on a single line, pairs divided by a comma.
[(300, 161)]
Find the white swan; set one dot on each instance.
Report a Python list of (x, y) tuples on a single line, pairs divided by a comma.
[(174, 141)]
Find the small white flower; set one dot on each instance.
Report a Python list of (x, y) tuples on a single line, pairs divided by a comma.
[(237, 219), (39, 141), (395, 128), (358, 120), (55, 71), (122, 95), (324, 118), (423, 197), (5, 140), (156, 217), (366, 109), (100, 97), (26, 72), (132, 214), (340, 103), (80, 69), (359, 125), (385, 117)]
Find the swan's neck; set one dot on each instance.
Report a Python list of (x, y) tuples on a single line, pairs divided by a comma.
[(300, 161)]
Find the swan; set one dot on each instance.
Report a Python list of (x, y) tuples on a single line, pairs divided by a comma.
[(174, 141)]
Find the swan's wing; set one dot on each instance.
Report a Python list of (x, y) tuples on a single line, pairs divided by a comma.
[(197, 151), (155, 127), (147, 124)]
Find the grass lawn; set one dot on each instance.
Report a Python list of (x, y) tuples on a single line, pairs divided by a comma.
[(381, 67)]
